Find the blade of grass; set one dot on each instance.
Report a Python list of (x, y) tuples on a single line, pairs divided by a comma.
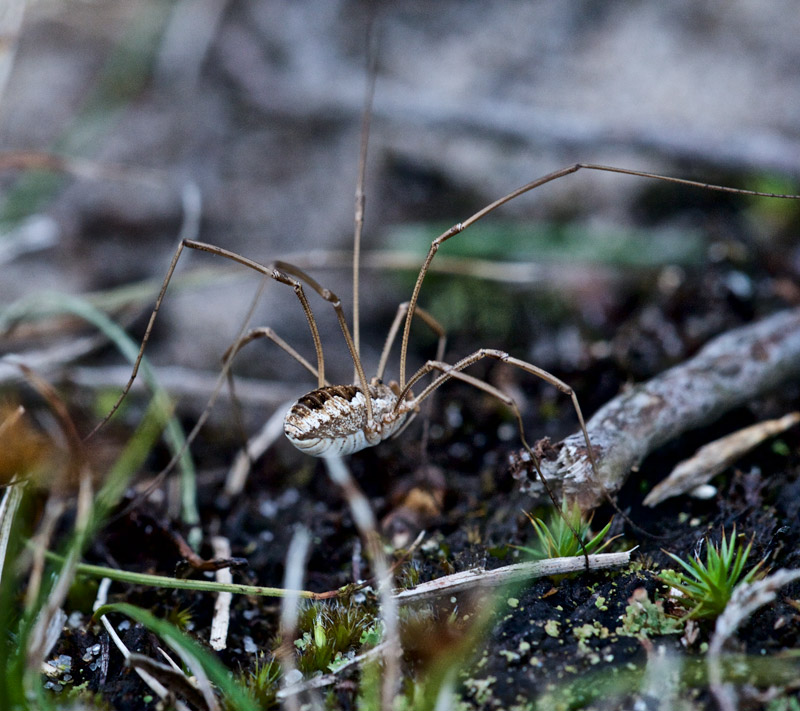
[(234, 695), (164, 581), (55, 304), (12, 496), (133, 456)]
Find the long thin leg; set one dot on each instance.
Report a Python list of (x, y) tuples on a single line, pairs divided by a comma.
[(273, 272), (516, 362), (438, 329), (226, 366), (227, 362), (533, 370), (454, 372), (461, 226), (334, 301), (423, 315), (267, 332), (366, 118)]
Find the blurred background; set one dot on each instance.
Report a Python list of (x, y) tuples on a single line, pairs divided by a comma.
[(240, 121)]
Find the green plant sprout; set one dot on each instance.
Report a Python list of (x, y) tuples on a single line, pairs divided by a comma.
[(328, 632), (263, 681), (707, 586), (556, 540)]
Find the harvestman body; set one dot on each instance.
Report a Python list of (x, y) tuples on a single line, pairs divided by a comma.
[(332, 421)]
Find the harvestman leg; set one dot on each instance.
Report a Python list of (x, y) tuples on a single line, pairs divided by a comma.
[(461, 226), (424, 316), (453, 371), (269, 333), (336, 303), (438, 329), (280, 271), (550, 177), (227, 363)]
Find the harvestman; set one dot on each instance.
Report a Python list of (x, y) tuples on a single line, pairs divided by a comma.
[(335, 420)]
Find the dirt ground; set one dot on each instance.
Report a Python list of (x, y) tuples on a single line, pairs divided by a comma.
[(603, 280)]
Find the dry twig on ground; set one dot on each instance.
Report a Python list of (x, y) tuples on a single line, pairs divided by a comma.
[(730, 370)]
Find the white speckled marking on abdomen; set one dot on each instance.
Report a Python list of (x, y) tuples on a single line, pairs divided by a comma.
[(331, 421)]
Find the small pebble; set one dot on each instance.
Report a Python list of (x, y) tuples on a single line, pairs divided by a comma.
[(704, 492)]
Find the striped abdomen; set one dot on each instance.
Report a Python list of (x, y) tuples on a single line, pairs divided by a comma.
[(332, 420)]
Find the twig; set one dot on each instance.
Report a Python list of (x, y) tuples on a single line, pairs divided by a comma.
[(166, 674), (83, 168), (477, 578), (181, 382), (448, 583), (317, 682), (199, 678), (730, 370), (44, 360), (255, 447), (222, 606), (58, 593), (365, 521), (716, 456), (534, 274), (12, 496)]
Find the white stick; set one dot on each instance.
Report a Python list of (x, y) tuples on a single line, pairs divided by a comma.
[(477, 578), (222, 607)]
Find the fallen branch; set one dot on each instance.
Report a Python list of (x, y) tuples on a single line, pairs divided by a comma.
[(730, 370), (480, 578)]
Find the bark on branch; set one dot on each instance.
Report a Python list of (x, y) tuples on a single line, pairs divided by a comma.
[(730, 370)]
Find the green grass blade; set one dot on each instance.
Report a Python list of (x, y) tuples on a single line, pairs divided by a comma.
[(234, 695), (164, 581), (55, 304), (133, 456)]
